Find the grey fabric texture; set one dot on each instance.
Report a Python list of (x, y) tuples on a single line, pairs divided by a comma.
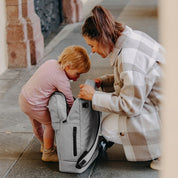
[(76, 133)]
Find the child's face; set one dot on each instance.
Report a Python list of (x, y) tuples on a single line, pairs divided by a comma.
[(72, 74)]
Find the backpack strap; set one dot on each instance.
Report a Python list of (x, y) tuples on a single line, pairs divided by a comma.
[(87, 155), (119, 51), (91, 83)]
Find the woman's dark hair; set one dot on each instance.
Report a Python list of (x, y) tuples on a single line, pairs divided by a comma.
[(102, 26)]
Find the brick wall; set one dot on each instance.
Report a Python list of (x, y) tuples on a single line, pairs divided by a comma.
[(26, 31), (24, 38)]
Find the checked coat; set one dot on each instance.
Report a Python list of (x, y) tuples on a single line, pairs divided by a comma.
[(137, 62)]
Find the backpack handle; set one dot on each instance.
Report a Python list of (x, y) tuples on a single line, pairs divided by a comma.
[(91, 83)]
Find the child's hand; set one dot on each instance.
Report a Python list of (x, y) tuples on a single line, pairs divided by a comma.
[(98, 82)]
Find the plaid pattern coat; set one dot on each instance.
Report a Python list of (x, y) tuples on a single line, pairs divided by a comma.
[(137, 61)]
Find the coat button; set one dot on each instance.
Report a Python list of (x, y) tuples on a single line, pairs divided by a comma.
[(121, 134)]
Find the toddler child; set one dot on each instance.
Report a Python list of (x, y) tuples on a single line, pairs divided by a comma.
[(51, 76)]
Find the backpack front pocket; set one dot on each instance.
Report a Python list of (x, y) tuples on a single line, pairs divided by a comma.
[(68, 142)]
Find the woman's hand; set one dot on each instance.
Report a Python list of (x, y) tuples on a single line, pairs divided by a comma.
[(86, 92), (98, 82)]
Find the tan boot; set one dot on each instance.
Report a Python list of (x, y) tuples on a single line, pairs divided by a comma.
[(42, 147), (156, 164), (50, 155)]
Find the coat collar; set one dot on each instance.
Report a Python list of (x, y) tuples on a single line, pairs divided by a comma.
[(118, 46)]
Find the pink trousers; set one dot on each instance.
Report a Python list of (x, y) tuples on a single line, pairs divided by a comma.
[(38, 118)]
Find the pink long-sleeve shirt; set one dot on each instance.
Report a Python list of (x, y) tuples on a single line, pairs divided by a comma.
[(48, 78)]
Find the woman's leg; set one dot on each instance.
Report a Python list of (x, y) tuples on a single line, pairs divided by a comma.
[(110, 128)]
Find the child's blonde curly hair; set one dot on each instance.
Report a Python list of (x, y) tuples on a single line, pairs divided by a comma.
[(76, 57)]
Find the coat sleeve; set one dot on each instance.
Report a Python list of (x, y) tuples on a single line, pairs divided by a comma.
[(132, 95), (107, 79), (107, 83)]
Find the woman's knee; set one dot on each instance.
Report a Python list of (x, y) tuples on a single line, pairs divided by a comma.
[(109, 126), (110, 123)]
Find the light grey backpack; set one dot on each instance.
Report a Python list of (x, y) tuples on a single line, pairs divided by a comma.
[(76, 133)]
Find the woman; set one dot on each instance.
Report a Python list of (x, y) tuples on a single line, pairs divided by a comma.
[(134, 104)]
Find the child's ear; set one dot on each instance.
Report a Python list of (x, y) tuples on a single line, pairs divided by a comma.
[(67, 67)]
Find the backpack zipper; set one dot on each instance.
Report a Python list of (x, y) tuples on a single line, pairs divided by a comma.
[(75, 141)]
